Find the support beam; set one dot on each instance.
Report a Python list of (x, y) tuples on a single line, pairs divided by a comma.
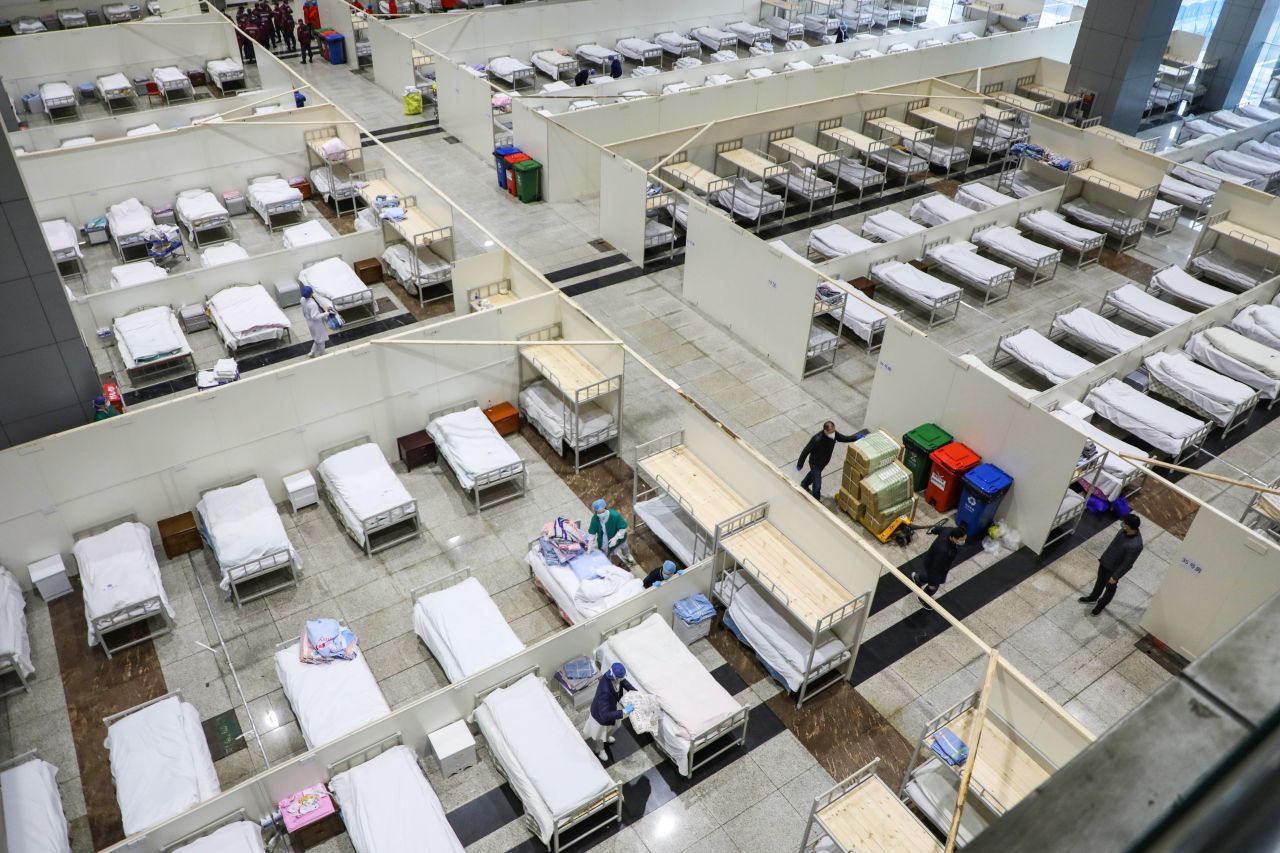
[(1236, 43)]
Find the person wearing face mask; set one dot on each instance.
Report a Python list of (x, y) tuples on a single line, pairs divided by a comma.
[(663, 573), (605, 715), (608, 531), (818, 451)]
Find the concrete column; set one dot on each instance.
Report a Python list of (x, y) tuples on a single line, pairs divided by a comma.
[(1236, 43), (1119, 49), (47, 378)]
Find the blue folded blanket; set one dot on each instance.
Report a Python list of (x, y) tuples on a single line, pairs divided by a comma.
[(947, 746), (694, 609)]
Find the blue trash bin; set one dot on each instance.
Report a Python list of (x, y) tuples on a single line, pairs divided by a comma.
[(984, 487), (499, 153)]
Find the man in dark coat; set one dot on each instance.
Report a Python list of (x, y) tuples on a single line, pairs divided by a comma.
[(938, 561), (304, 40), (1115, 563), (818, 451)]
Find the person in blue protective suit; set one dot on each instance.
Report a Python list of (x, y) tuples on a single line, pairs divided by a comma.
[(605, 714), (665, 572), (316, 317), (608, 532)]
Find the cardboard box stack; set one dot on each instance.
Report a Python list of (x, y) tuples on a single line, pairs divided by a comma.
[(886, 495), (872, 452)]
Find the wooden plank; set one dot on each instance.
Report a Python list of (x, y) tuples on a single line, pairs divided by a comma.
[(800, 149), (1236, 230), (750, 162), (692, 175), (811, 592), (938, 117), (1021, 103), (1103, 179), (564, 366), (898, 128), (857, 141), (708, 497), (1003, 771), (870, 819), (1058, 95)]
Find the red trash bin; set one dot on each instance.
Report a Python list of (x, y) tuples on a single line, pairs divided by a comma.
[(511, 160), (950, 462)]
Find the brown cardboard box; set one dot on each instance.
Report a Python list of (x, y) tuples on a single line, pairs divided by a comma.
[(369, 270)]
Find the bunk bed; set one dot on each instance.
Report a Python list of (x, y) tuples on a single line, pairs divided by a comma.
[(862, 813)]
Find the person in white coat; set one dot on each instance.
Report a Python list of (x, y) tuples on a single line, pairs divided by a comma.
[(316, 318)]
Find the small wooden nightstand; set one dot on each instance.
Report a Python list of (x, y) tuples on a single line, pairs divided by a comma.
[(368, 270), (180, 535), (504, 417), (416, 449)]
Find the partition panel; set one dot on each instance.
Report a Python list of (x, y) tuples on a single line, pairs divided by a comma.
[(622, 205), (392, 57), (465, 108)]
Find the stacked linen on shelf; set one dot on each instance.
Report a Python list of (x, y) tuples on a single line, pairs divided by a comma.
[(694, 609), (226, 369)]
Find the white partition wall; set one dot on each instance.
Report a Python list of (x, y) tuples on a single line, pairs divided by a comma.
[(464, 103), (622, 205), (1036, 720), (392, 56), (336, 15)]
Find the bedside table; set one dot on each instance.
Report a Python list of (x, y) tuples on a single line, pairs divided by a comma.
[(179, 534), (315, 826), (504, 417), (301, 489), (454, 748), (416, 449), (49, 576)]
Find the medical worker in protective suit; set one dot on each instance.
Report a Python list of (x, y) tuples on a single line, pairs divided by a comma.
[(317, 321), (608, 532), (605, 715)]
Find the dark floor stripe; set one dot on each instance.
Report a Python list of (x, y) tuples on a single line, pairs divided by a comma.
[(585, 267), (402, 127), (387, 140)]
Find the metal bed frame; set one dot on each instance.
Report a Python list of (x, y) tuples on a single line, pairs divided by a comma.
[(514, 475), (183, 361), (1164, 223), (1110, 307), (610, 800), (1126, 229), (868, 159), (1153, 287), (120, 715), (810, 842), (451, 579), (694, 48), (352, 194), (933, 306), (119, 14), (388, 519), (66, 102), (1001, 358), (1190, 446), (652, 206), (1037, 270), (834, 671), (1132, 482), (1057, 334), (207, 223), (885, 155), (964, 126), (730, 186), (72, 18), (570, 66), (641, 57), (1091, 247), (131, 614), (587, 394), (497, 288), (125, 242), (225, 80), (253, 569), (271, 211), (1261, 520), (769, 174), (1198, 213), (111, 96), (419, 282), (1067, 521), (603, 63), (1204, 246), (783, 29), (1239, 415), (69, 256), (352, 301), (804, 183), (416, 242), (278, 835), (719, 44), (233, 348), (826, 351), (9, 664), (175, 91), (755, 38), (1264, 273), (989, 288), (645, 486), (733, 727)]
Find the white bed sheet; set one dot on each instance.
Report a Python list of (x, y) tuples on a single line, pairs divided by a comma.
[(114, 84), (145, 130), (138, 272), (1051, 224), (223, 67), (362, 485), (339, 187), (33, 818), (240, 837), (1255, 111), (464, 629), (673, 42), (1044, 356), (1008, 242), (836, 241), (129, 217), (596, 53), (863, 319), (223, 253), (1098, 330), (1115, 470), (117, 569), (169, 74), (1215, 394), (1159, 425), (889, 225), (1024, 184), (1260, 323), (1260, 150), (914, 284), (748, 199), (1232, 121), (399, 257), (148, 335), (670, 523), (543, 404), (981, 197), (636, 48), (1138, 302), (243, 524), (330, 700), (61, 236), (1242, 165), (332, 279), (471, 444), (271, 190), (1177, 282), (506, 66), (1100, 216), (1185, 193), (13, 626), (388, 806), (579, 600), (962, 259), (191, 205), (247, 314), (56, 91), (938, 210), (305, 234), (1217, 264), (1231, 353), (551, 63)]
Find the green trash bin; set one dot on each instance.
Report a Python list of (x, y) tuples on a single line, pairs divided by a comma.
[(528, 180), (916, 447)]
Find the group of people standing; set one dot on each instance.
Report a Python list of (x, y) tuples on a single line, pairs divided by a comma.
[(272, 24)]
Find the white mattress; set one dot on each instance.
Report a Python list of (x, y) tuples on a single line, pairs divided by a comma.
[(1044, 356), (169, 74), (836, 241), (138, 272), (1206, 176), (1213, 393), (1138, 302), (332, 279), (1232, 121), (305, 234), (464, 629), (635, 48), (1100, 216), (1159, 425), (145, 130), (117, 569), (543, 404), (1114, 469), (852, 172), (191, 205), (1229, 352), (148, 335), (471, 445), (61, 236), (1260, 323), (670, 523), (770, 632), (1185, 193), (889, 225), (863, 319), (582, 600), (223, 253), (1051, 224), (506, 66), (748, 199), (674, 41), (223, 67), (388, 806), (936, 152), (1235, 163), (33, 818), (362, 485), (330, 700), (938, 210), (399, 257), (339, 187), (13, 627), (1223, 267), (962, 259), (1257, 112), (659, 663), (56, 91), (552, 63), (1175, 281), (1006, 241), (246, 314), (1098, 330), (547, 762), (914, 284), (160, 763), (1261, 150), (129, 217), (115, 83), (980, 197), (597, 53), (242, 524), (1024, 184), (240, 837), (271, 190)]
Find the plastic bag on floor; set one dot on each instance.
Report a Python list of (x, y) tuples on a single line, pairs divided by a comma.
[(646, 711), (412, 102)]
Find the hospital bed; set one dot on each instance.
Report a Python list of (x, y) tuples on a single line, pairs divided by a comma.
[(783, 29), (898, 47), (749, 34), (367, 496), (71, 19), (386, 802), (15, 645), (866, 321), (478, 456), (802, 182), (1207, 177), (1233, 121), (596, 54), (34, 821), (1022, 184), (25, 25), (639, 50), (884, 16), (240, 524), (906, 165), (64, 245), (747, 200), (1243, 359), (1252, 169), (151, 342), (1183, 287), (1038, 353), (798, 65), (1117, 476), (981, 197), (227, 74), (919, 288), (854, 15), (566, 794), (415, 273), (1261, 150), (223, 253), (700, 719), (1205, 392), (329, 700), (863, 813), (138, 272), (585, 587), (714, 38), (144, 130), (938, 210), (945, 157), (306, 234), (200, 212), (160, 761), (1163, 217), (1260, 323), (1087, 245), (658, 234), (116, 93), (848, 170), (1255, 111), (669, 521), (270, 196), (1127, 229), (493, 295), (1093, 331), (562, 396), (1007, 243), (174, 85), (334, 186), (1161, 426), (962, 261), (60, 102), (819, 24), (1191, 197), (1142, 307), (458, 621), (510, 70), (337, 287), (834, 241), (677, 45), (245, 315), (129, 221), (1218, 265), (116, 13), (1199, 128), (554, 64), (233, 833), (77, 142), (889, 225)]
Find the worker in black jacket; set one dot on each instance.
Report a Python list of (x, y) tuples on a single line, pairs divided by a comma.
[(938, 561), (1116, 562), (818, 451)]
